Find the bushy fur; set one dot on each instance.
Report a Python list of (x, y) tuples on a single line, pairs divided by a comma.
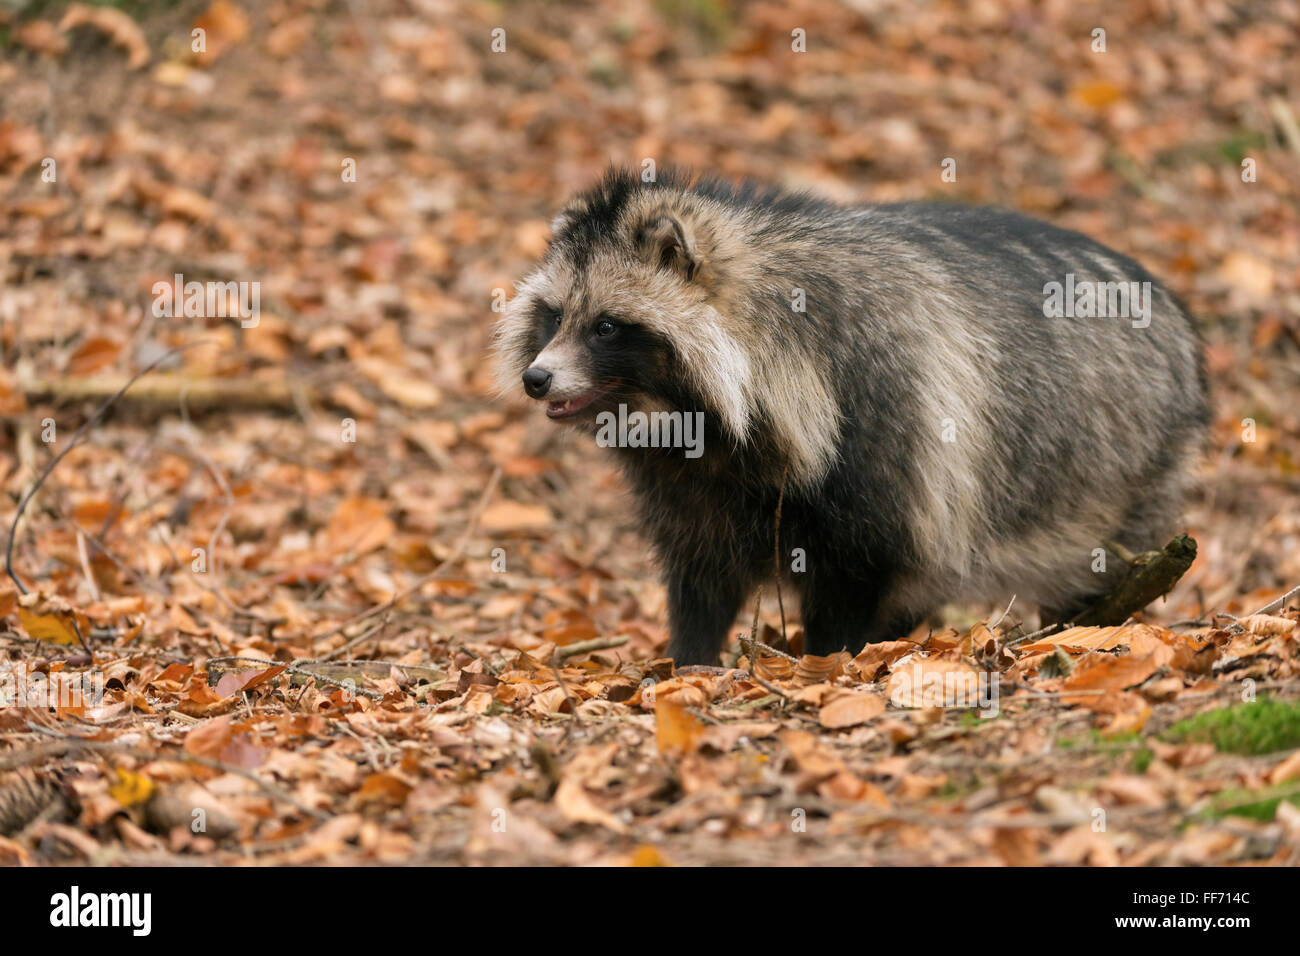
[(939, 439)]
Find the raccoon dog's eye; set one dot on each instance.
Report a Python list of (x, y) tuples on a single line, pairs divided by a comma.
[(606, 327)]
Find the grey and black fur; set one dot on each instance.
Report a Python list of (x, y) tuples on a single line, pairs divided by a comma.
[(938, 437)]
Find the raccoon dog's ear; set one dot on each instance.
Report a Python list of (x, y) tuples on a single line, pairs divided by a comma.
[(666, 243)]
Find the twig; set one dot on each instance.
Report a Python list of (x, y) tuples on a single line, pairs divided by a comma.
[(757, 702), (997, 821), (77, 436), (167, 388), (573, 706), (1286, 121), (595, 644), (1273, 605), (772, 650), (299, 667), (1025, 638), (994, 624), (1124, 554), (85, 566), (770, 687)]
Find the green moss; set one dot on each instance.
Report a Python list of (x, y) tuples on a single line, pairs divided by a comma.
[(1262, 727), (1238, 147), (1256, 804)]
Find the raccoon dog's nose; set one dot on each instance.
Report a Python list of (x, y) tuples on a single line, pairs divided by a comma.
[(537, 382)]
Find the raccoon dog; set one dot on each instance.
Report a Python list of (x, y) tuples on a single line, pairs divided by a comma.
[(960, 403)]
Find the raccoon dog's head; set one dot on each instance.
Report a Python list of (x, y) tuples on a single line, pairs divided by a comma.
[(646, 296), (623, 309)]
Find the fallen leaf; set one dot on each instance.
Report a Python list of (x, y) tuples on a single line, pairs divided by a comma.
[(131, 788), (118, 26), (514, 516), (850, 709), (677, 731)]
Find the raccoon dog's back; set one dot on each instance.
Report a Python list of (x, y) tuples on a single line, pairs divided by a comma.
[(961, 403)]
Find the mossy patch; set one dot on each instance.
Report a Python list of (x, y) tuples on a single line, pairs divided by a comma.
[(1261, 727), (1256, 804)]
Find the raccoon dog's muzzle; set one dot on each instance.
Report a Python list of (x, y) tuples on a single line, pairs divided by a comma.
[(552, 376)]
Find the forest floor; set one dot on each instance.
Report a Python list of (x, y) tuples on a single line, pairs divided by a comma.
[(341, 597)]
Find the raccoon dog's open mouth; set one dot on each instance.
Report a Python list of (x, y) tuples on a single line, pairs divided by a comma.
[(571, 406)]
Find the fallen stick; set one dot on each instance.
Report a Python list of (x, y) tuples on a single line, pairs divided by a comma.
[(169, 388), (595, 644), (298, 668), (1150, 575)]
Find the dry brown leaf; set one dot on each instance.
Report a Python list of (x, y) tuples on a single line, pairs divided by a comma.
[(1268, 625), (589, 768), (677, 731), (515, 516), (812, 669), (773, 667), (933, 683), (850, 709), (118, 26), (224, 25), (1287, 770), (358, 526), (1105, 672), (1078, 640), (41, 36), (876, 657)]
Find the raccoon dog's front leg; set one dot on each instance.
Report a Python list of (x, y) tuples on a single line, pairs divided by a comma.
[(702, 604), (840, 610)]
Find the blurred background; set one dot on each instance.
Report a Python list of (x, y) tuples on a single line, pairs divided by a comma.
[(385, 170)]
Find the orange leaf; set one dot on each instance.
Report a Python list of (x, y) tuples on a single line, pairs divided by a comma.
[(851, 709), (676, 729), (383, 788), (1106, 673), (1098, 94), (235, 683), (12, 400), (512, 516), (358, 526), (208, 740), (95, 355), (225, 25)]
